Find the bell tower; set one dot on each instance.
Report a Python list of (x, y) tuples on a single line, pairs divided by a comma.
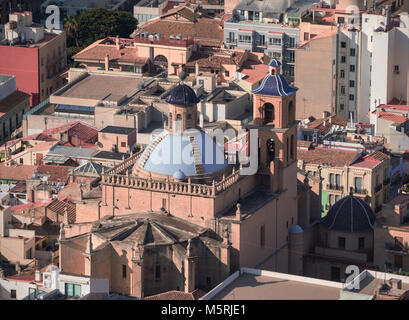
[(274, 116), (182, 109)]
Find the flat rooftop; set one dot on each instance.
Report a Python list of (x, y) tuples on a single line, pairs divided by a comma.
[(251, 285), (102, 87), (117, 130)]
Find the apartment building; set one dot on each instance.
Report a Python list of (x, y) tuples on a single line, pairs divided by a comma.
[(35, 55), (343, 170)]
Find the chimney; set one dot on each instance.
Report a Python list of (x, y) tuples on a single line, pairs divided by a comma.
[(107, 62), (117, 43), (37, 276)]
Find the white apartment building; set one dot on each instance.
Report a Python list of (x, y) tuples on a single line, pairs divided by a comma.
[(390, 65)]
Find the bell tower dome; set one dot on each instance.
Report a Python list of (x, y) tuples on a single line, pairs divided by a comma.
[(182, 109)]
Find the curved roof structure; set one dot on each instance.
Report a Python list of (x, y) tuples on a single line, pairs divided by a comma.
[(182, 95), (350, 214), (146, 229), (193, 153), (274, 63), (275, 85)]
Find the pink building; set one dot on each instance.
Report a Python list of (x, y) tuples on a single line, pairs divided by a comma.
[(181, 224)]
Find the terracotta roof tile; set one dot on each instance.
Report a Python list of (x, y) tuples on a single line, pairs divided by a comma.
[(20, 172), (204, 29), (324, 125), (57, 173), (58, 206), (333, 157)]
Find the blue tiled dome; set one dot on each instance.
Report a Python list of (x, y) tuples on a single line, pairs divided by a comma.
[(275, 85), (295, 228), (175, 152), (274, 63), (182, 95), (179, 175), (350, 214)]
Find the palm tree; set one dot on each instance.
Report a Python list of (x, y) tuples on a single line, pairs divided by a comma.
[(71, 27)]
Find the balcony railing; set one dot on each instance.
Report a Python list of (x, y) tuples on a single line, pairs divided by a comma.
[(360, 191), (386, 181), (378, 188), (335, 187)]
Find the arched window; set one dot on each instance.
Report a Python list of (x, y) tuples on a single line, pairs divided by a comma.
[(170, 120), (178, 123), (268, 112), (270, 150), (291, 113)]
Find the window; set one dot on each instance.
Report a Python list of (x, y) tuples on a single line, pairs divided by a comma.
[(275, 41), (351, 97), (343, 44), (227, 73), (32, 294), (157, 272), (342, 73), (124, 271), (343, 59), (29, 254), (361, 243), (341, 106), (13, 294), (358, 184), (352, 68), (231, 37), (243, 38), (351, 83), (262, 236), (341, 19), (342, 90), (72, 290), (201, 81), (306, 36), (123, 144), (352, 52), (341, 242), (396, 69)]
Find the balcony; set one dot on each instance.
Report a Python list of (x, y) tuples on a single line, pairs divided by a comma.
[(386, 181), (360, 191), (232, 41), (378, 188), (335, 187)]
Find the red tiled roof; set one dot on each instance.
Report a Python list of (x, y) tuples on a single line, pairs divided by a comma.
[(20, 172), (57, 173), (303, 143), (101, 48), (333, 157), (392, 117), (58, 206), (23, 278), (371, 160), (83, 132), (204, 29), (215, 58), (394, 107), (324, 125), (30, 206)]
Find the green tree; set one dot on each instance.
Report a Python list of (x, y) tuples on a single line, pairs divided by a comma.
[(71, 26), (99, 23)]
